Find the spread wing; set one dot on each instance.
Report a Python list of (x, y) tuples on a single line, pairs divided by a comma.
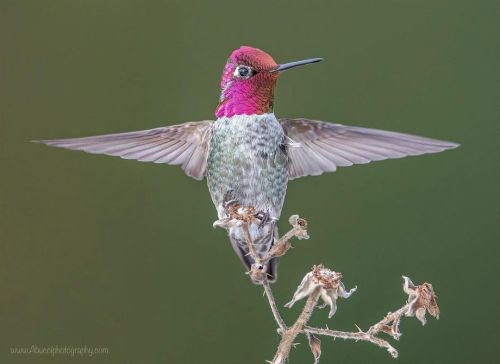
[(322, 147), (184, 145)]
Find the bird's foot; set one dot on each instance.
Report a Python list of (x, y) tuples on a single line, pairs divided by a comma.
[(263, 218)]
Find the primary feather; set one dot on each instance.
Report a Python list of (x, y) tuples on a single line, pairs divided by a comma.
[(322, 147), (184, 144)]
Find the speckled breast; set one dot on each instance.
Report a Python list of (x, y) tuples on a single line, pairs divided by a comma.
[(246, 158)]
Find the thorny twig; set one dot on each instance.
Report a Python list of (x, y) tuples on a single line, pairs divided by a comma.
[(327, 285), (274, 308), (289, 335)]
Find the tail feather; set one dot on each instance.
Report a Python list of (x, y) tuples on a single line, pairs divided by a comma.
[(263, 242)]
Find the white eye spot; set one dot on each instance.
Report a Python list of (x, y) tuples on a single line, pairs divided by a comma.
[(243, 72)]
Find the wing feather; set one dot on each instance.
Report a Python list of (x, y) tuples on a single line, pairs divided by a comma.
[(326, 146), (185, 144)]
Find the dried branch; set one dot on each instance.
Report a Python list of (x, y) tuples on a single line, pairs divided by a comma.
[(370, 335), (274, 308), (421, 300), (289, 335), (325, 284)]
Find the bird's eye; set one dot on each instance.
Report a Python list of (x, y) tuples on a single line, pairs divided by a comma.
[(243, 72)]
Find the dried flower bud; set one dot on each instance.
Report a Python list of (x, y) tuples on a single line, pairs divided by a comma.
[(330, 284), (300, 226), (257, 273), (237, 215), (227, 223), (421, 299), (279, 250)]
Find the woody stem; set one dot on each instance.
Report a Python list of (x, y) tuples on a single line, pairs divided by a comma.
[(290, 334)]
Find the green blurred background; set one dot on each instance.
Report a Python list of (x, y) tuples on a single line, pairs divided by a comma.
[(104, 252)]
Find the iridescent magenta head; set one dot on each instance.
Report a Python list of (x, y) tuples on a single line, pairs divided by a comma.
[(248, 82)]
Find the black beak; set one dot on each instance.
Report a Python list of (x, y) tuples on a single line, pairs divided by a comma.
[(286, 66)]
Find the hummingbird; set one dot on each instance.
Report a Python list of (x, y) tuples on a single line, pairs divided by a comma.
[(248, 155)]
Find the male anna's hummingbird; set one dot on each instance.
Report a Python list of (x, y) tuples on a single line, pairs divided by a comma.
[(247, 154)]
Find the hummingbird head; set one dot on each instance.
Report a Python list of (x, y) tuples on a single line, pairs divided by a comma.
[(248, 82)]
